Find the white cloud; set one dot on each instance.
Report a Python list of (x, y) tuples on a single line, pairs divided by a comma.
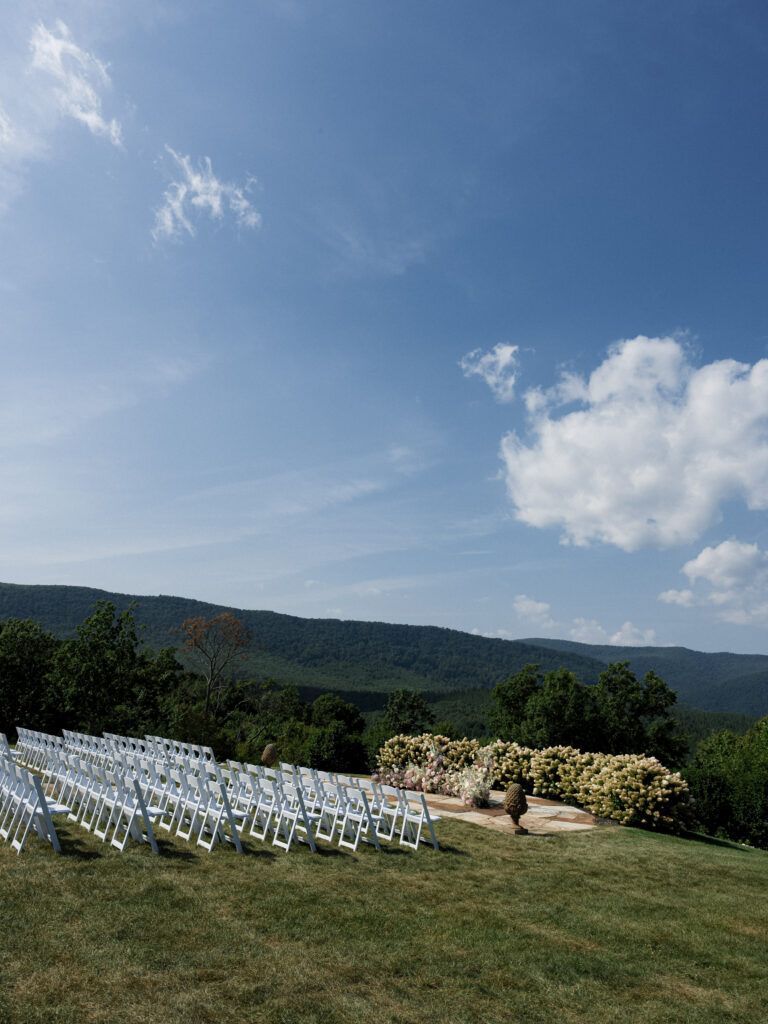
[(644, 462), (682, 597), (537, 612), (199, 190), (730, 564), (589, 631), (80, 77), (631, 636), (361, 250), (497, 368), (731, 579), (44, 76)]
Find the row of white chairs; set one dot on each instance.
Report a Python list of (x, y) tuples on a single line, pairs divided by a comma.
[(33, 747), (23, 805), (118, 788), (360, 809), (100, 798)]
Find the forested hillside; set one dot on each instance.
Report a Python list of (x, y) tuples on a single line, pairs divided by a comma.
[(325, 653), (718, 682), (377, 657)]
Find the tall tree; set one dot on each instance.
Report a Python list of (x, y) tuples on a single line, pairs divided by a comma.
[(558, 713), (407, 712), (102, 679), (511, 702), (728, 777), (26, 657), (215, 643), (634, 718)]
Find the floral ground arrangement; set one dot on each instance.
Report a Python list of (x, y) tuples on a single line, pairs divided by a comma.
[(630, 788)]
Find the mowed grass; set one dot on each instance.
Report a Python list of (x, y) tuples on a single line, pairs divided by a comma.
[(610, 925)]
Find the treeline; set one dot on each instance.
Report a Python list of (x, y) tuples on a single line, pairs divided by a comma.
[(104, 679), (727, 775), (618, 715)]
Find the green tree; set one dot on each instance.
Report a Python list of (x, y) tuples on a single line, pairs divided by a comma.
[(100, 679), (728, 777), (634, 717), (511, 698), (332, 748), (329, 708), (26, 658), (558, 713), (407, 712)]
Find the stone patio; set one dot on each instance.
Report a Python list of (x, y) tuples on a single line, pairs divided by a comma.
[(543, 817)]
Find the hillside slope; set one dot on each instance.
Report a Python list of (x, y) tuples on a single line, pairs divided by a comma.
[(379, 656), (719, 681), (326, 653)]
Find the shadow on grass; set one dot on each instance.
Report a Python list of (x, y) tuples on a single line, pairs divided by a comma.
[(333, 852), (729, 844), (445, 848), (171, 851), (259, 852), (73, 847)]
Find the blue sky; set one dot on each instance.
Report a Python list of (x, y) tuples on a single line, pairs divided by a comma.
[(427, 313)]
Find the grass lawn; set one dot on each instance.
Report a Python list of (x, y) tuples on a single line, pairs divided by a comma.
[(610, 925)]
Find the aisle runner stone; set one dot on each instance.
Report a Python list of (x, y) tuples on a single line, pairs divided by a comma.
[(543, 817)]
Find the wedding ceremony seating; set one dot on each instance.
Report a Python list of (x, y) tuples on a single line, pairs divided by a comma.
[(124, 787)]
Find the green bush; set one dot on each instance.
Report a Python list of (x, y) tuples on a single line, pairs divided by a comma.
[(729, 784)]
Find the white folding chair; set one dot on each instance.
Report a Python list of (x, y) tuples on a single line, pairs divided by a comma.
[(358, 822), (25, 808), (131, 816), (214, 809), (267, 810), (293, 820), (416, 817)]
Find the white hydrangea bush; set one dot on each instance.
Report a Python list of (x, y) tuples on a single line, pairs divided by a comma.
[(629, 788), (511, 763), (634, 790)]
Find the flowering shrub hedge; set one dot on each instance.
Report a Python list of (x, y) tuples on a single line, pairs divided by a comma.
[(630, 788), (435, 764)]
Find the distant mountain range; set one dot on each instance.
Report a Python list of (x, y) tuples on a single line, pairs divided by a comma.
[(368, 657)]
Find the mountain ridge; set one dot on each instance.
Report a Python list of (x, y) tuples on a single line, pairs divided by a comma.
[(369, 656)]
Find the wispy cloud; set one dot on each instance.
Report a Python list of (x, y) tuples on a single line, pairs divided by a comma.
[(80, 77), (498, 368), (45, 77), (643, 462), (199, 191), (363, 252), (36, 408)]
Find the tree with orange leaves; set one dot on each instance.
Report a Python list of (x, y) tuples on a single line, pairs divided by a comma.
[(215, 643)]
